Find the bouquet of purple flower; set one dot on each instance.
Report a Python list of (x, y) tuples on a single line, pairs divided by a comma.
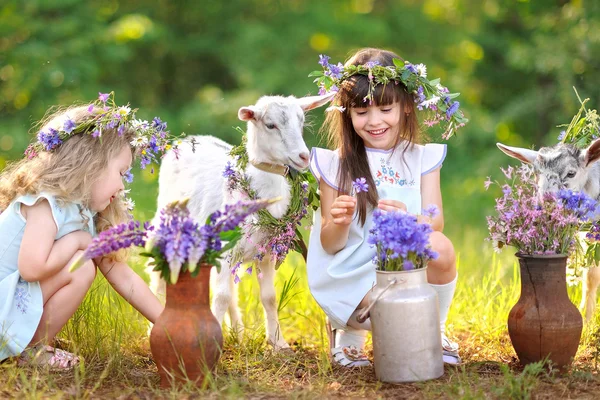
[(537, 223), (178, 243), (402, 242)]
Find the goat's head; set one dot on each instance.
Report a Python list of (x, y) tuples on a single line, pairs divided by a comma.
[(275, 126), (560, 166)]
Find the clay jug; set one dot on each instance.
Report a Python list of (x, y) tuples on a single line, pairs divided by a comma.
[(186, 340), (544, 322)]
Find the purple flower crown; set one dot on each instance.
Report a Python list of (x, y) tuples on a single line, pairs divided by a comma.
[(152, 138), (430, 96)]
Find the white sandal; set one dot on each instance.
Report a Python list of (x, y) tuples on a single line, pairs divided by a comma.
[(450, 351), (346, 356)]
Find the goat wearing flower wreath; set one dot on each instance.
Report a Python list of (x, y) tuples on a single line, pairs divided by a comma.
[(270, 162)]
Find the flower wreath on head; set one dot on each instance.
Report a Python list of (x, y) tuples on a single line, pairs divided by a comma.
[(430, 96), (152, 138)]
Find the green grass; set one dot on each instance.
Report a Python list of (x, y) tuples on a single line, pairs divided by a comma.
[(112, 337)]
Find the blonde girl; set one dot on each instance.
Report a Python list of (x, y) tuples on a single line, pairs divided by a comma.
[(374, 130), (52, 202)]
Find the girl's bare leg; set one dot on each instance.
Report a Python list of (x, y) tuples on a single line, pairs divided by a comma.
[(62, 294)]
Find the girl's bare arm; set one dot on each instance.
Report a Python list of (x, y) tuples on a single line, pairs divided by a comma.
[(131, 287), (40, 256), (431, 194), (336, 217)]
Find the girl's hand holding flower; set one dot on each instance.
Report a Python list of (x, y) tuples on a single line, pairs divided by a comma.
[(342, 210)]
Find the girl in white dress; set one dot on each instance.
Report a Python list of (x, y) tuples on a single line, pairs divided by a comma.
[(52, 202), (375, 133)]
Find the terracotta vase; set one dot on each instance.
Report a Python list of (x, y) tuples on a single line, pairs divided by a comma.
[(186, 340), (544, 322)]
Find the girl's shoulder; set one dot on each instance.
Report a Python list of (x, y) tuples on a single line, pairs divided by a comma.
[(68, 216), (324, 164)]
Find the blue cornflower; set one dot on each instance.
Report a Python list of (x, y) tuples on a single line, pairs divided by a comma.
[(412, 68), (128, 176), (49, 140), (159, 124), (360, 185), (452, 109), (324, 60), (335, 71), (69, 125), (371, 64)]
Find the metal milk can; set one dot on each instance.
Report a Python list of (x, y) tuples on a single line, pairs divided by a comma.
[(407, 342)]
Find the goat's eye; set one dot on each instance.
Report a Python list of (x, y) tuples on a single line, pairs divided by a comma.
[(571, 174), (270, 126)]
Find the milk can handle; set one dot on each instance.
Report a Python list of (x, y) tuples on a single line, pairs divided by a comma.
[(362, 317)]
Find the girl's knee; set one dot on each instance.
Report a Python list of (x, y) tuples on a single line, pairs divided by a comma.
[(443, 246), (85, 274)]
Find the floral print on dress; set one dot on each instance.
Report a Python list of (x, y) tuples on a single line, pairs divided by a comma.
[(22, 295), (387, 174)]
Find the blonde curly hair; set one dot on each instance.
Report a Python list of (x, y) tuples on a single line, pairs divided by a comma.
[(69, 171)]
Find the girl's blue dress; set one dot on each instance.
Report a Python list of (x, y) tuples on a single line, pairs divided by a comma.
[(21, 302), (340, 281)]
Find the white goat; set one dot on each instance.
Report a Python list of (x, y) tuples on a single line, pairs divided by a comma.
[(274, 141), (566, 166)]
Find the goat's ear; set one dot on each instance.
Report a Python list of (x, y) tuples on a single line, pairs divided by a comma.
[(592, 153), (310, 102), (525, 155), (247, 113)]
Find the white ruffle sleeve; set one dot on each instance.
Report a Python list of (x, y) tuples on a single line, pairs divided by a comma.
[(324, 164), (433, 157)]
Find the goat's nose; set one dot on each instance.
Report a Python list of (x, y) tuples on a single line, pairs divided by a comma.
[(304, 157)]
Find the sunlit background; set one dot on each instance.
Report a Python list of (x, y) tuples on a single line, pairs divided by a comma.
[(195, 63)]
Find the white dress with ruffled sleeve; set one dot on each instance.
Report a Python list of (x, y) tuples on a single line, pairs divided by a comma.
[(21, 302), (340, 281)]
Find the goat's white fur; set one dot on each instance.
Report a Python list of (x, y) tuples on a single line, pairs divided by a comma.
[(274, 135), (587, 179)]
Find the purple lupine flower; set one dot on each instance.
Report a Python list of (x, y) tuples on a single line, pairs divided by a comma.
[(103, 97), (360, 185), (118, 237)]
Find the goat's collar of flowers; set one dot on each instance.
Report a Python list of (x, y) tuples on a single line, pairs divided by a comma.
[(283, 234), (429, 95), (151, 138), (278, 169)]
